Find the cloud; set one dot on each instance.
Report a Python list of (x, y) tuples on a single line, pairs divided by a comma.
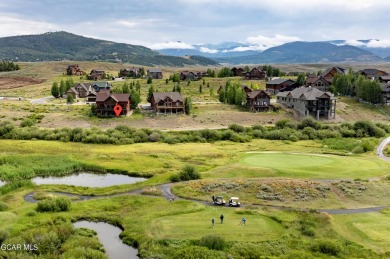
[(11, 26), (171, 45), (354, 43), (378, 44), (207, 50), (260, 43)]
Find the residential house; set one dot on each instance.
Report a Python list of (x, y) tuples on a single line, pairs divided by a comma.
[(245, 89), (384, 79), (97, 74), (372, 73), (155, 73), (237, 71), (167, 103), (258, 100), (105, 103), (188, 75), (98, 86), (309, 101), (274, 86), (386, 93), (80, 90), (255, 74), (74, 70), (130, 72), (324, 80)]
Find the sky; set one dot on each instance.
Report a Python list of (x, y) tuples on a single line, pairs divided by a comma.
[(182, 23)]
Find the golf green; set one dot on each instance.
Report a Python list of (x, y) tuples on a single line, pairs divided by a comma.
[(317, 165)]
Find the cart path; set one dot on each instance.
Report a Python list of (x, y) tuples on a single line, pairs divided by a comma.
[(166, 190)]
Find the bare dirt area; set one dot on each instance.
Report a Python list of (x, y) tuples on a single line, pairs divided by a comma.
[(11, 82)]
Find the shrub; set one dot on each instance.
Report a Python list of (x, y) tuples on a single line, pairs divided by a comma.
[(329, 247), (237, 128), (3, 206), (196, 252), (213, 242), (3, 235), (27, 123), (54, 205), (187, 173)]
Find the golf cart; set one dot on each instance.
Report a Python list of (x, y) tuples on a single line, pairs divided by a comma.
[(218, 200), (234, 202)]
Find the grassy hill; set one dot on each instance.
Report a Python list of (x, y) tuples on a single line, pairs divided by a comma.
[(62, 45)]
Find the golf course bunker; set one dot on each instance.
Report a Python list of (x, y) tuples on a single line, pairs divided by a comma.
[(318, 166), (89, 180), (109, 237)]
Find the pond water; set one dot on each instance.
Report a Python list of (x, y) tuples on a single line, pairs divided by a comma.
[(89, 180), (109, 237)]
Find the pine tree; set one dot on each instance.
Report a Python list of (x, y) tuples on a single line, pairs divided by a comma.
[(55, 91), (150, 93), (188, 105)]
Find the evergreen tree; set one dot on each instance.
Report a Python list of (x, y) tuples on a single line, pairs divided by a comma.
[(150, 93), (126, 88), (200, 89), (149, 80), (301, 79), (188, 105), (62, 88), (178, 88), (69, 99), (55, 91), (135, 99)]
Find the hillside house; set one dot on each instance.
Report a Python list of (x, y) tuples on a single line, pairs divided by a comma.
[(188, 75), (155, 73), (105, 103), (324, 80), (237, 71), (80, 90), (98, 86), (331, 72), (167, 103), (274, 86), (309, 101), (258, 101), (130, 72), (385, 93), (384, 79), (372, 73), (255, 74), (74, 70), (97, 74), (245, 89)]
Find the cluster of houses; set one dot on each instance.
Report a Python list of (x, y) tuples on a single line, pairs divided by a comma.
[(311, 99)]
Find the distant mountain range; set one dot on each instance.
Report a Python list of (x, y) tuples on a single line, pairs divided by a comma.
[(67, 46), (293, 52)]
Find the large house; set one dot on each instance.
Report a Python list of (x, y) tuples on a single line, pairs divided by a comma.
[(256, 73), (105, 103), (98, 86), (386, 93), (309, 101), (324, 80), (167, 103), (280, 84), (80, 90), (74, 70), (130, 72), (258, 100), (155, 73), (372, 73), (188, 75), (237, 71), (97, 74)]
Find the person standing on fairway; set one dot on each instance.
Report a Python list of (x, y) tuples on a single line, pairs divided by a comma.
[(213, 222), (243, 221), (221, 217)]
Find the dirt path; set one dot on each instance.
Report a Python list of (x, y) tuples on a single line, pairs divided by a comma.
[(381, 147)]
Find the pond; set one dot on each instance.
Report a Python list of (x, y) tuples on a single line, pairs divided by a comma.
[(89, 180), (109, 237)]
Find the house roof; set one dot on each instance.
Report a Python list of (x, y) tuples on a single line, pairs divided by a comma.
[(255, 93), (384, 78), (86, 86), (313, 79), (175, 96), (279, 81), (101, 97), (372, 71), (72, 89), (101, 84), (307, 93), (339, 70), (154, 70), (385, 87)]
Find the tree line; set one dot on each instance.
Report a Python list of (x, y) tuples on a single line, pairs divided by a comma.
[(8, 66)]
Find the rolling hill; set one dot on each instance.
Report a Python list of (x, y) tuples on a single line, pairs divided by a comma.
[(67, 46)]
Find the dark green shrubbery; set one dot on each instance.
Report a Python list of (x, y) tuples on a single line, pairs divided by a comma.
[(213, 242), (327, 246), (197, 252), (186, 174), (3, 206), (54, 205)]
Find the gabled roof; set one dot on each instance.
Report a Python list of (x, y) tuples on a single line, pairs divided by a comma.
[(279, 81), (339, 70), (313, 79), (384, 78), (86, 86), (101, 97), (385, 87), (174, 96), (101, 84), (97, 71), (255, 93), (307, 93), (153, 70), (372, 71), (72, 89)]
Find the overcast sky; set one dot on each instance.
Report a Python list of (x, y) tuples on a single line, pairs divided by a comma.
[(157, 24)]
